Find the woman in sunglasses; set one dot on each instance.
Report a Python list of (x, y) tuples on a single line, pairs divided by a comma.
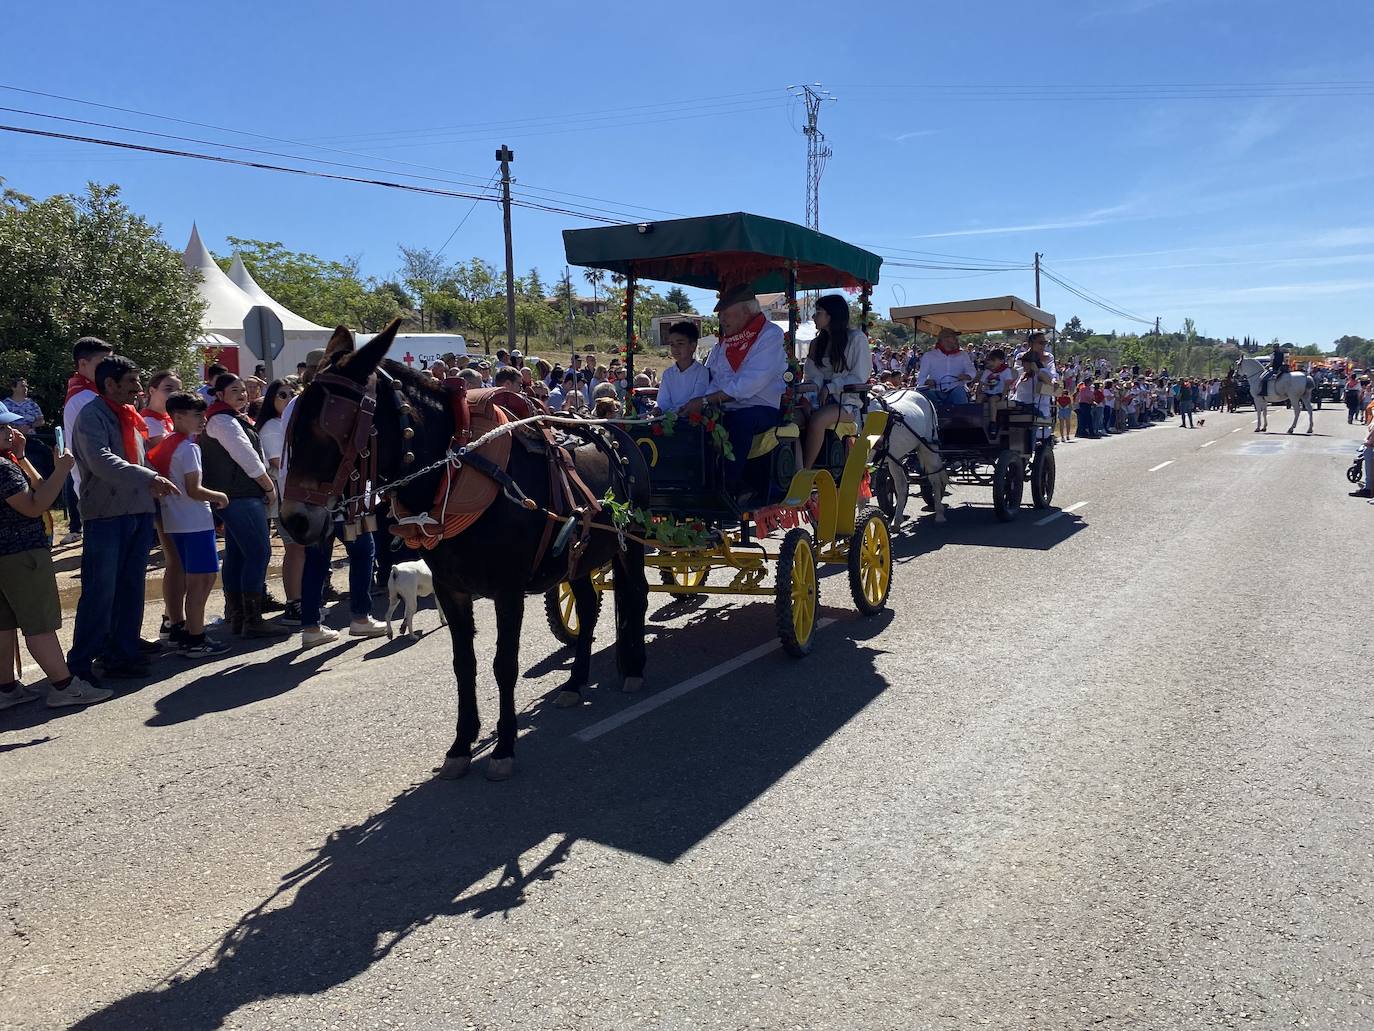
[(272, 433)]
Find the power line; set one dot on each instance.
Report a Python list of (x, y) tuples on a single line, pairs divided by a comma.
[(313, 173), (1100, 302)]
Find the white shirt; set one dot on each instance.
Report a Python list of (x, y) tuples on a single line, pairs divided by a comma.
[(942, 370), (226, 430), (155, 429), (181, 514), (858, 360), (678, 386), (997, 384), (69, 413), (272, 436), (286, 451), (759, 380)]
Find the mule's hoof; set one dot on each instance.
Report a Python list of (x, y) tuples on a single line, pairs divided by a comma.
[(567, 699), (500, 769), (632, 684), (455, 768)]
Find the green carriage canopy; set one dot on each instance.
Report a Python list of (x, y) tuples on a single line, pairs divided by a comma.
[(718, 251)]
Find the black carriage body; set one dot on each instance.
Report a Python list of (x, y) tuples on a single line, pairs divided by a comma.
[(685, 469), (969, 450)]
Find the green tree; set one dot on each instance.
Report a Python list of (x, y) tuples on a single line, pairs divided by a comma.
[(330, 293), (73, 265), (594, 276), (678, 298), (423, 272)]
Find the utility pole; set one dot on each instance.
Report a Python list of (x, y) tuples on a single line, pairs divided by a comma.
[(818, 152), (505, 155), (1156, 325), (572, 300), (1037, 278)]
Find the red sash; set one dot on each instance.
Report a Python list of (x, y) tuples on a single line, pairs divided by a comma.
[(737, 346), (160, 457), (131, 427), (221, 408), (76, 385), (161, 417)]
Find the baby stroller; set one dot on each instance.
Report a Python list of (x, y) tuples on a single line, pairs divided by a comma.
[(1356, 471)]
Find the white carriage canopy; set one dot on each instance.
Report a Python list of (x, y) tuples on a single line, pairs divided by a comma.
[(983, 315)]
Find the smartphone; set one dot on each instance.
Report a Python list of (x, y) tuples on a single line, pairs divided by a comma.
[(59, 440)]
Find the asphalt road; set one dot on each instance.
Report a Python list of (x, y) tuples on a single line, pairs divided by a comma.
[(1108, 770)]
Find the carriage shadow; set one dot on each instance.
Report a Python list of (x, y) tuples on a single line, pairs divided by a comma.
[(444, 850), (975, 526)]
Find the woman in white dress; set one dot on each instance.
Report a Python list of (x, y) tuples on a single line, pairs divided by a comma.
[(840, 357), (272, 435)]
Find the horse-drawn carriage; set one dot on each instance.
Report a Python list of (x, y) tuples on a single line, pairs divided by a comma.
[(987, 445), (696, 522)]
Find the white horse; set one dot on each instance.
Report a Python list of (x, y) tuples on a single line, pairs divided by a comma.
[(1293, 387), (912, 429)]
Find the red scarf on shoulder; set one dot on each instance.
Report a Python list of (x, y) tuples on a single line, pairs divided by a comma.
[(160, 457), (737, 346), (219, 408), (77, 384), (161, 417), (131, 427)]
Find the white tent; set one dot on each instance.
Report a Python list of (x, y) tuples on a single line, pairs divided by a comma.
[(290, 321), (227, 302)]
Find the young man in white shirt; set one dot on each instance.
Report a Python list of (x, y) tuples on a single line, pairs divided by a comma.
[(87, 353), (686, 379)]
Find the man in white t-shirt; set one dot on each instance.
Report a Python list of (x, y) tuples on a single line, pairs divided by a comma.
[(946, 370), (87, 353)]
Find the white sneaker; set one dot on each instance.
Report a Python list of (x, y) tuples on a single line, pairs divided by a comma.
[(366, 627), (70, 538), (318, 636), (78, 692)]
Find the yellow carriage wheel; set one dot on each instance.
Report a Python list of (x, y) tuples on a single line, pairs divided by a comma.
[(560, 608), (797, 592), (684, 578), (870, 562)]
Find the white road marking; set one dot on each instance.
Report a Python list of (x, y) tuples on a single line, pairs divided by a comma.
[(1209, 443), (1238, 429), (1063, 511), (675, 692), (1161, 465)]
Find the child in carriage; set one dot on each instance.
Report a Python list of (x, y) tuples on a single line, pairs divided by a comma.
[(686, 379), (994, 383)]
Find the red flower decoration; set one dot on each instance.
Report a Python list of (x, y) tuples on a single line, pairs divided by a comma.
[(694, 418), (710, 425), (657, 430)]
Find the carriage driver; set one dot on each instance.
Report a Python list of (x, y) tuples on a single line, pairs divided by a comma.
[(747, 366), (945, 370)]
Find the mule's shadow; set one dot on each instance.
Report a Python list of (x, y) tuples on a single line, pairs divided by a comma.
[(655, 787)]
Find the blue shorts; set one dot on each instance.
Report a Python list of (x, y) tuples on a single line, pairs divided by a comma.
[(198, 551)]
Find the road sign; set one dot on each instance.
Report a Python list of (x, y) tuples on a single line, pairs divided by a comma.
[(262, 334)]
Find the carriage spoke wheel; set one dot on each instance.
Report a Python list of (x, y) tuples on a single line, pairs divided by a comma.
[(870, 562), (1008, 484), (797, 592), (560, 608), (1042, 476)]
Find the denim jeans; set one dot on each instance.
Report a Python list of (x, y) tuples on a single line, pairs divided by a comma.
[(1109, 418), (316, 572), (1369, 468), (1098, 417), (1085, 420), (114, 570), (743, 424), (247, 546), (69, 500), (955, 395)]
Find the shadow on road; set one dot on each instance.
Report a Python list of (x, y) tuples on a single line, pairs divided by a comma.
[(977, 527), (655, 787)]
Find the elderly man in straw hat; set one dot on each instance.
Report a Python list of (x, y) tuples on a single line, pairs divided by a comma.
[(747, 366)]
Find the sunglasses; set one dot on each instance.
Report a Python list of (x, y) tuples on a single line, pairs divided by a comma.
[(284, 395)]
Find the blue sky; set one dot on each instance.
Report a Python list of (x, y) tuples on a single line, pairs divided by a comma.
[(983, 130)]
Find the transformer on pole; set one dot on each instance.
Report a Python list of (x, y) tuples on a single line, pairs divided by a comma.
[(817, 150)]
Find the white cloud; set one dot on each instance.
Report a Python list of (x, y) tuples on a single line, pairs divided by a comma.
[(914, 134), (1101, 216)]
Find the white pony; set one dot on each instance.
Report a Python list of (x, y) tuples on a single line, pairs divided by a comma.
[(1293, 387), (912, 429)]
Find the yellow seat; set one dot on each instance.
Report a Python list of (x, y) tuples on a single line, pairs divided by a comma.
[(846, 428), (767, 441)]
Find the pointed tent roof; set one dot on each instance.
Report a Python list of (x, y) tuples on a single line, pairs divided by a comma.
[(290, 321), (227, 303)]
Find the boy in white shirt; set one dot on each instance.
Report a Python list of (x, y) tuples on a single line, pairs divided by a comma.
[(187, 520), (686, 379)]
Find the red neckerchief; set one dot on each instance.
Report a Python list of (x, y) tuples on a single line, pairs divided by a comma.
[(219, 408), (160, 457), (941, 348), (737, 346), (997, 371), (131, 427), (77, 384), (161, 417)]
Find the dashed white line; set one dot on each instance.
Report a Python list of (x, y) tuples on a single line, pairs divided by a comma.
[(675, 692), (1161, 465), (1238, 429), (1063, 511), (1209, 443)]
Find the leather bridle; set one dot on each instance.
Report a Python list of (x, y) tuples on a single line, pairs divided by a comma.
[(346, 418)]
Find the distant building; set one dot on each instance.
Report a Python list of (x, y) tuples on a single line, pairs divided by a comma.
[(588, 306)]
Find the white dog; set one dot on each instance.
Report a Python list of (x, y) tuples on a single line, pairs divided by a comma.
[(409, 582)]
